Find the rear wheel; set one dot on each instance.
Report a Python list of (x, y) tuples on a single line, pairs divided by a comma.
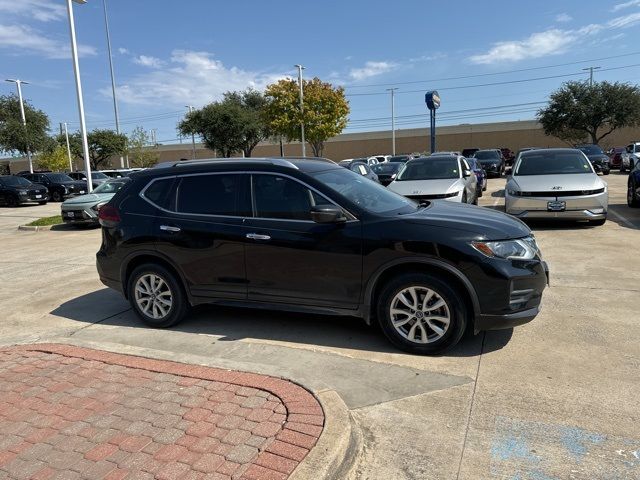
[(156, 296), (420, 313), (632, 197)]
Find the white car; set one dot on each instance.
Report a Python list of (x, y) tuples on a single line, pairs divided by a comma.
[(556, 183), (630, 157), (445, 177)]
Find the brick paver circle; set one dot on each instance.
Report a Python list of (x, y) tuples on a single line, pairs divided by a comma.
[(68, 412)]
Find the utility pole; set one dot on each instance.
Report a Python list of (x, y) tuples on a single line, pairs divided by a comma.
[(66, 136), (393, 119), (113, 80), (19, 84), (193, 137), (304, 147), (590, 70)]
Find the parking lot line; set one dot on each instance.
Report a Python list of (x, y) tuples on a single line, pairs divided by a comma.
[(623, 219)]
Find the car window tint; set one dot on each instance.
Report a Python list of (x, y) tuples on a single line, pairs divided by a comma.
[(158, 193), (211, 195), (281, 197)]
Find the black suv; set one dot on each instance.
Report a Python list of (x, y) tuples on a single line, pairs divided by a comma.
[(310, 236), (15, 190), (60, 185), (492, 161)]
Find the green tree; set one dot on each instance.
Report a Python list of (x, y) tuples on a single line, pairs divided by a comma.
[(233, 124), (54, 159), (578, 110), (14, 137), (325, 111), (140, 153), (103, 144)]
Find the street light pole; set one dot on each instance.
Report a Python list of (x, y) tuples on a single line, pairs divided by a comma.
[(19, 83), (304, 147), (193, 137), (66, 136), (76, 72), (590, 70), (113, 79), (393, 120)]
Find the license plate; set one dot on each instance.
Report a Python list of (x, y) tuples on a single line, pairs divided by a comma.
[(71, 214), (38, 196), (556, 206)]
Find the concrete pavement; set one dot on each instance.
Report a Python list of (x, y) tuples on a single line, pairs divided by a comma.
[(553, 399)]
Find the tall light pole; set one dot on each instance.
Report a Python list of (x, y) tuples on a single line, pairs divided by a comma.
[(393, 119), (76, 72), (66, 136), (19, 84), (113, 80), (304, 147), (590, 70), (193, 137)]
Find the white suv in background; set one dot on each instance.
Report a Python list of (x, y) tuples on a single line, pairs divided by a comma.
[(630, 157)]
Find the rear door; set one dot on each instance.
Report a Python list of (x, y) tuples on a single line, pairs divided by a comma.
[(200, 228), (290, 258)]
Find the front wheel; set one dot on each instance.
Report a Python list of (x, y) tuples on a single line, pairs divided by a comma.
[(156, 296), (56, 196), (419, 313)]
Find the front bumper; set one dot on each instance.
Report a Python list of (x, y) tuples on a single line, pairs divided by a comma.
[(79, 216), (588, 207), (509, 320)]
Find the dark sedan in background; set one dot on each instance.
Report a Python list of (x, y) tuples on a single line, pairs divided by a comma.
[(597, 157), (386, 171), (491, 161)]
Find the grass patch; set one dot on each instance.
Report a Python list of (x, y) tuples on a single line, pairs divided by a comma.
[(41, 222)]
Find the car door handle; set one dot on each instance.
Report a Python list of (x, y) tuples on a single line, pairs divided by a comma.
[(257, 236), (169, 228)]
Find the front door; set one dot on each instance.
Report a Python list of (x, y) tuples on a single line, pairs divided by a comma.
[(290, 258), (201, 230)]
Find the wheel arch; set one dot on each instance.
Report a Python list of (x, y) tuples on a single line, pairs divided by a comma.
[(140, 258), (435, 267)]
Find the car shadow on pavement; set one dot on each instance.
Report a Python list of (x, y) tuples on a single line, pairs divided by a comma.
[(106, 307)]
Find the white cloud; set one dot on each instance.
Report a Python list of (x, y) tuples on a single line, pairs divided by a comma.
[(563, 18), (542, 44), (189, 77), (123, 51), (371, 69), (428, 58), (41, 10), (625, 21), (148, 61), (23, 39), (621, 6)]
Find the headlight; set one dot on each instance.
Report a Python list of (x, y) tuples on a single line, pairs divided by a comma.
[(521, 249), (22, 192)]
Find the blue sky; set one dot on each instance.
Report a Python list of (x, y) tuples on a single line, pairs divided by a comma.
[(169, 54)]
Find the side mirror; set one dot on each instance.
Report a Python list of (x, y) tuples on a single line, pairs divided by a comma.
[(327, 214), (466, 173)]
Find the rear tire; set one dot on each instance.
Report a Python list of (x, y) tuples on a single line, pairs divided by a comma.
[(414, 332), (157, 296)]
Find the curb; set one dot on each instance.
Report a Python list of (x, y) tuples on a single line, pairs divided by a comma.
[(35, 228), (334, 451)]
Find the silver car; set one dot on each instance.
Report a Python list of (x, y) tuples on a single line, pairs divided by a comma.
[(445, 177), (556, 183), (83, 210)]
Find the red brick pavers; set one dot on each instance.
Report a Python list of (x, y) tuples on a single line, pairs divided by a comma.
[(70, 413)]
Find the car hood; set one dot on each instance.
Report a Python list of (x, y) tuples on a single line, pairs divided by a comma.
[(481, 222), (426, 187), (90, 198), (544, 183)]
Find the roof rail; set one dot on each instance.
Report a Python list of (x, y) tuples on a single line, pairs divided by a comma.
[(282, 162)]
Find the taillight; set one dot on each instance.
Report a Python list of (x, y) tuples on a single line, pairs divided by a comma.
[(108, 214)]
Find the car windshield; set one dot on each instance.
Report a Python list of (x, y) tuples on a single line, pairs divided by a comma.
[(486, 155), (59, 177), (363, 192), (399, 158), (98, 176), (15, 182), (109, 187), (552, 163), (430, 169), (386, 168), (591, 150)]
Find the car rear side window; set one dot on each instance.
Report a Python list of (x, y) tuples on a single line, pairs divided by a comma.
[(161, 194), (218, 194)]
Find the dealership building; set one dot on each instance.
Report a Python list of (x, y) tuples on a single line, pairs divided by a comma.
[(513, 135)]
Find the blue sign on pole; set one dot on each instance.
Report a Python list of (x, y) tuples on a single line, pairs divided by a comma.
[(432, 99)]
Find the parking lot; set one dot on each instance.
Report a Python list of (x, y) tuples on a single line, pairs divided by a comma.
[(553, 399)]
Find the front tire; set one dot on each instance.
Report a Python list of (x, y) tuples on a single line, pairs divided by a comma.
[(157, 296), (419, 313), (56, 196)]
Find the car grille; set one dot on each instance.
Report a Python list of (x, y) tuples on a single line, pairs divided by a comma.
[(559, 193), (77, 214), (432, 197)]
